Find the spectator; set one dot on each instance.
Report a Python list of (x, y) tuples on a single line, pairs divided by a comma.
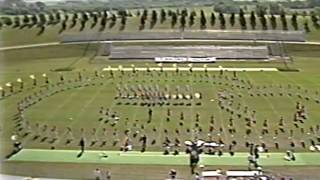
[(173, 174), (17, 146), (108, 175), (97, 174), (197, 176)]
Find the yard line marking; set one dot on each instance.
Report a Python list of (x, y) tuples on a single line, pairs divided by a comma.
[(74, 93), (82, 110), (296, 83), (191, 79), (62, 137), (267, 100), (293, 104), (244, 103), (67, 100)]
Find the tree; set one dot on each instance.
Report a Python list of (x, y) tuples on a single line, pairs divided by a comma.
[(82, 25), (7, 21), (145, 13), (242, 19), (123, 22), (163, 15), (222, 21), (26, 19), (122, 12), (142, 22), (84, 16), (192, 18), (173, 19), (184, 12), (253, 22), (273, 22), (34, 20), (138, 13), (213, 19), (105, 14), (51, 19), (74, 20), (63, 26), (113, 21), (193, 13), (95, 20), (314, 20), (306, 27), (284, 20), (232, 19), (263, 21), (183, 21), (103, 23), (294, 21), (16, 21), (154, 19), (58, 17), (83, 21), (42, 19), (203, 20), (66, 16)]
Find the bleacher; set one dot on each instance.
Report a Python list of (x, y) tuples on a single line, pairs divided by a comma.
[(219, 52)]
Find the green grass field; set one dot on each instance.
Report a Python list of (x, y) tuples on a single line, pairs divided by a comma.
[(76, 104), (83, 103)]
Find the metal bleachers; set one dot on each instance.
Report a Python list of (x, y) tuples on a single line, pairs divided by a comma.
[(220, 52)]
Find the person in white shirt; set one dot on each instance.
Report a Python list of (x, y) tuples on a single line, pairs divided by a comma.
[(97, 174)]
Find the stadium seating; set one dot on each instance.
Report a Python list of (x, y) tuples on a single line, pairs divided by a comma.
[(220, 52)]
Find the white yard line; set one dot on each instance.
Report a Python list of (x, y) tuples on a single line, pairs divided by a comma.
[(66, 101), (221, 122), (191, 79), (29, 46), (88, 103), (110, 108), (244, 103), (270, 103), (293, 104)]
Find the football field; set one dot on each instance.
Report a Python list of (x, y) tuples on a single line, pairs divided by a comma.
[(108, 108)]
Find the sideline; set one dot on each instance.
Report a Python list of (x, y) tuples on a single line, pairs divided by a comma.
[(12, 177), (147, 41), (157, 158)]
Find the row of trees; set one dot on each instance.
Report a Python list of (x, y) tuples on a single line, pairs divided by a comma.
[(179, 18), (267, 21)]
